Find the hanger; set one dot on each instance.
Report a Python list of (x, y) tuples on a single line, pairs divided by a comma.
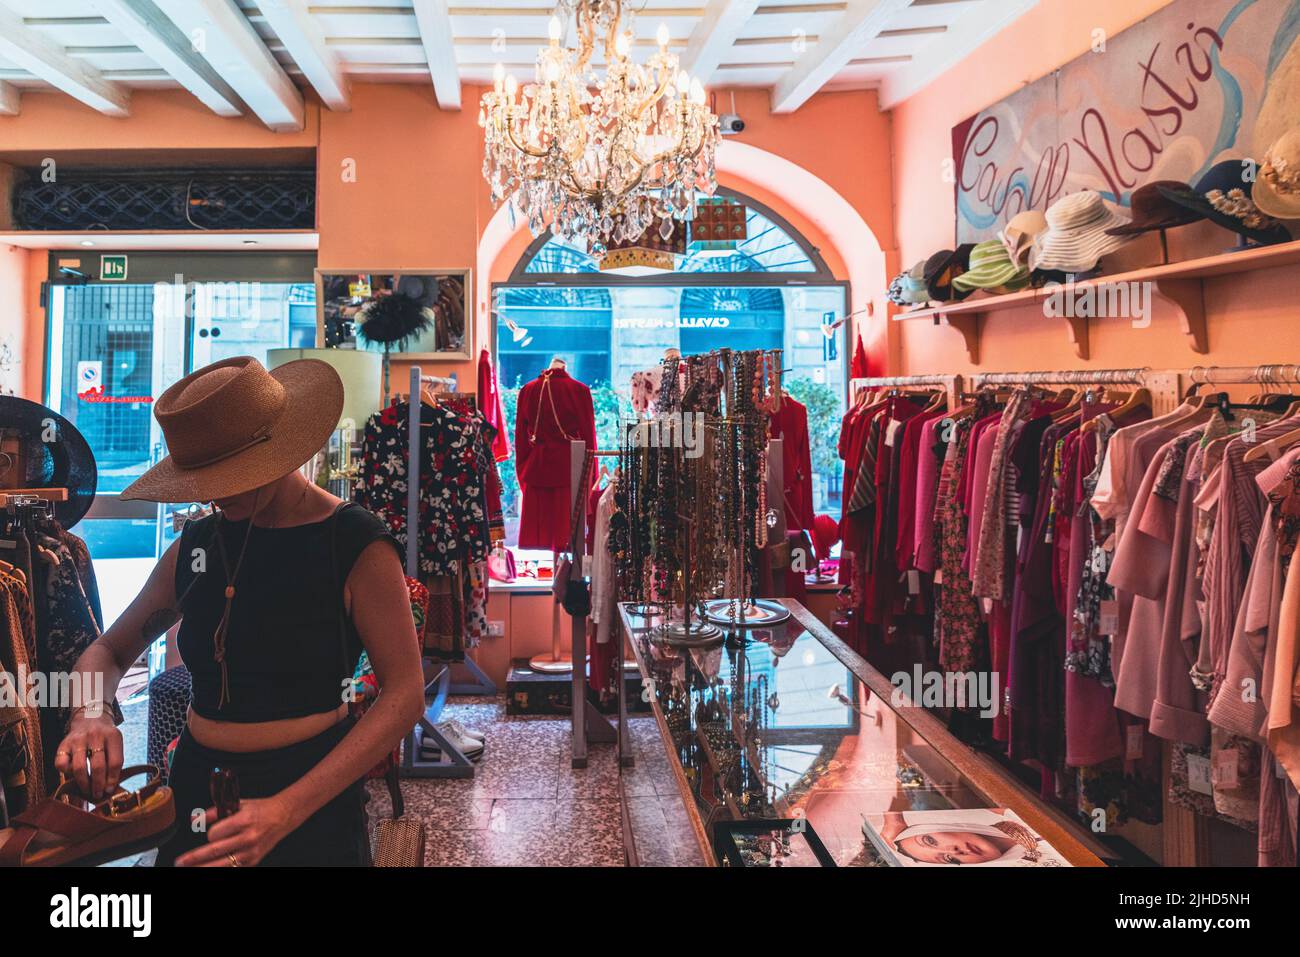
[(1135, 401)]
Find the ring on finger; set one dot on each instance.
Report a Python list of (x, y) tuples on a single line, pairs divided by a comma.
[(234, 861)]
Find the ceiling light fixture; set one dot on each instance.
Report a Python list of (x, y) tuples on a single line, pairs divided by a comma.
[(599, 158)]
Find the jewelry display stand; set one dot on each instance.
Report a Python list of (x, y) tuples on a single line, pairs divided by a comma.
[(437, 677), (587, 723)]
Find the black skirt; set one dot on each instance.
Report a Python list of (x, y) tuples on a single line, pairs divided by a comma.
[(335, 836)]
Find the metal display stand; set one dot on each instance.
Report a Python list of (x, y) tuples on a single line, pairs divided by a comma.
[(587, 723), (437, 677)]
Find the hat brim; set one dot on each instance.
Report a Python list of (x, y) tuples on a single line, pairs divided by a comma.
[(991, 278), (72, 463), (1080, 250), (1193, 200), (313, 404), (1137, 227), (1271, 202)]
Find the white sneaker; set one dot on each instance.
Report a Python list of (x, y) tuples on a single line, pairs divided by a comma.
[(465, 732), (429, 749)]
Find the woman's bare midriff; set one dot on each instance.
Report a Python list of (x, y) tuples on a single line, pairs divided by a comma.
[(261, 735)]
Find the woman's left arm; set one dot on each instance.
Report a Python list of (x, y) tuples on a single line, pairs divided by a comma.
[(381, 611)]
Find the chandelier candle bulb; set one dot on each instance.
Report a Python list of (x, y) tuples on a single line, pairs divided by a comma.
[(663, 37), (556, 30)]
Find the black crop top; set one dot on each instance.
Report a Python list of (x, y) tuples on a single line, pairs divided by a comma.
[(285, 656)]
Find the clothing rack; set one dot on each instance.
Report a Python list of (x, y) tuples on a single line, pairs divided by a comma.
[(30, 496), (454, 763), (1065, 377), (952, 384)]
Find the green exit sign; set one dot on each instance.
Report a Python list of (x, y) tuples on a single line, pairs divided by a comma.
[(112, 269)]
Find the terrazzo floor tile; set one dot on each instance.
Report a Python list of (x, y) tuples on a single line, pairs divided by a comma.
[(525, 806)]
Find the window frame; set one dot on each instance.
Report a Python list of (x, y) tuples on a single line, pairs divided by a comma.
[(821, 276)]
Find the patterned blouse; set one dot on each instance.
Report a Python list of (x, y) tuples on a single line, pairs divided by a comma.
[(459, 501)]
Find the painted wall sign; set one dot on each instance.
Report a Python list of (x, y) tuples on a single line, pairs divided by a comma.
[(1196, 83), (112, 268)]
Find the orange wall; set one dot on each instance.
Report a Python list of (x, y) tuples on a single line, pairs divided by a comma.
[(13, 319), (400, 182), (1251, 317)]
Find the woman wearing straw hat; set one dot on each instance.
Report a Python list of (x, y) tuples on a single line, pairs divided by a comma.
[(277, 594)]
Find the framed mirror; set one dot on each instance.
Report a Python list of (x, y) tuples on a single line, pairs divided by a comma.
[(436, 303)]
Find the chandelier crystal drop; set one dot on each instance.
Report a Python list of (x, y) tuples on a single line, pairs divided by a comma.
[(599, 159)]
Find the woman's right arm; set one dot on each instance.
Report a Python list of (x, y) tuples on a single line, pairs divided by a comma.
[(91, 732)]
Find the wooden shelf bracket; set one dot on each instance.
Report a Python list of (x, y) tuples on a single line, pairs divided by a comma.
[(1187, 296)]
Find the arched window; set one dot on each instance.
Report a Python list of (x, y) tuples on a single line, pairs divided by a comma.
[(772, 291)]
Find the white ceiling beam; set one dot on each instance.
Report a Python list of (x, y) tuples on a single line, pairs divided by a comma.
[(942, 54), (141, 22), (303, 37), (10, 97), (840, 43), (219, 31), (714, 36), (28, 49), (434, 22)]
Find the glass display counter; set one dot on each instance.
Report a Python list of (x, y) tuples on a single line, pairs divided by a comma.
[(782, 743)]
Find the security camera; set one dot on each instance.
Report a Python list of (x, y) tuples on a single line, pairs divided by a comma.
[(729, 124)]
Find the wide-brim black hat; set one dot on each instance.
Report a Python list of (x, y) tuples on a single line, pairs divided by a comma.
[(1224, 195), (55, 455)]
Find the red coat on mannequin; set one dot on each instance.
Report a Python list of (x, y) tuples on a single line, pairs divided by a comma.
[(553, 409)]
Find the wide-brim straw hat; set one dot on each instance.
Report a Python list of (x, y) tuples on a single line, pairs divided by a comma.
[(1277, 188), (232, 427), (991, 268), (1225, 195), (1077, 234)]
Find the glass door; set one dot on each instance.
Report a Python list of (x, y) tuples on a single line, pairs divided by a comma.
[(114, 347)]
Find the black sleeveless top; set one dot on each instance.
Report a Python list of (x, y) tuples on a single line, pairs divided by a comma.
[(291, 644)]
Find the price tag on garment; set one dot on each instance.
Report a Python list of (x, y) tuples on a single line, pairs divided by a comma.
[(891, 433), (1198, 774), (1225, 769), (988, 606), (913, 582), (1134, 742), (1108, 618)]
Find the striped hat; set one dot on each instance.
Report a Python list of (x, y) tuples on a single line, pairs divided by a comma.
[(991, 268), (1076, 236), (909, 288)]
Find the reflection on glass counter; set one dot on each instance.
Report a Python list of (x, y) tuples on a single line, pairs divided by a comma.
[(771, 725)]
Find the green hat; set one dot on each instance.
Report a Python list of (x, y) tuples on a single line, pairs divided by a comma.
[(991, 268)]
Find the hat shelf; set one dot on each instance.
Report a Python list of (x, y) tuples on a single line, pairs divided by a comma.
[(1180, 286)]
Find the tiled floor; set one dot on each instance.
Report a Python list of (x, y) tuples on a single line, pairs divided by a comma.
[(525, 805)]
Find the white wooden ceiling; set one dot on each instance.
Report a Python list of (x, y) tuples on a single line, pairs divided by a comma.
[(254, 56)]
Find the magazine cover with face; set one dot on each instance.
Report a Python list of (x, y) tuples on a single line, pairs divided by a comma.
[(988, 837)]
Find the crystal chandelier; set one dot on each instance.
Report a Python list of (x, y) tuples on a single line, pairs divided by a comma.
[(598, 160)]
